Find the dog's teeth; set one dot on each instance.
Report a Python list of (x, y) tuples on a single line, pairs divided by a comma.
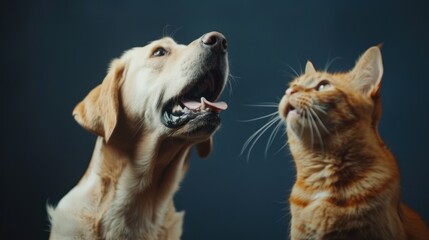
[(177, 108), (203, 104), (174, 118)]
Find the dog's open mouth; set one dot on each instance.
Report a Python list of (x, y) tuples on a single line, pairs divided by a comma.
[(197, 99)]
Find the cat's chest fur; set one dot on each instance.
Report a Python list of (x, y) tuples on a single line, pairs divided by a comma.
[(325, 206), (319, 218)]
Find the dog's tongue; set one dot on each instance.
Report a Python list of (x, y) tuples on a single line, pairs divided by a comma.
[(204, 103)]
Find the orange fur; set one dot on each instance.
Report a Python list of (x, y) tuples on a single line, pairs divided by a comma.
[(347, 184)]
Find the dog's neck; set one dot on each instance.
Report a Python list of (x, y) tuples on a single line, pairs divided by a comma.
[(138, 182)]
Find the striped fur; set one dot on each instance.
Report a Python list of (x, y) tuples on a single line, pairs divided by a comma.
[(347, 184)]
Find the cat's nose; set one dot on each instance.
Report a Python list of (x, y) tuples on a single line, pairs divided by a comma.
[(291, 91)]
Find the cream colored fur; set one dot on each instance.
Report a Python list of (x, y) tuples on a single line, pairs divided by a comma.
[(138, 163)]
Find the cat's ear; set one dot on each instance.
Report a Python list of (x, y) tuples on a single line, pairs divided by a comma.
[(368, 71), (309, 68)]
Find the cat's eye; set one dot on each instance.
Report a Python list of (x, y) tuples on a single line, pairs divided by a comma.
[(159, 52), (322, 85)]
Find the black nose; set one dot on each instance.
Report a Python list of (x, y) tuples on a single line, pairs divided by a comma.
[(215, 41)]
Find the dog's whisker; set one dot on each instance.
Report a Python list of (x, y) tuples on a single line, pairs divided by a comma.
[(165, 30), (230, 90), (232, 77), (173, 33), (138, 126), (231, 80), (166, 33)]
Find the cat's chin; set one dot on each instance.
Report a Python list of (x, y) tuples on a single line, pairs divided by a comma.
[(287, 111), (292, 115)]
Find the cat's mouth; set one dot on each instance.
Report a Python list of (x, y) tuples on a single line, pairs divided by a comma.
[(289, 108)]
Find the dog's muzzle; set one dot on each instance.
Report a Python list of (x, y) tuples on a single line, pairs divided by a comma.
[(197, 100)]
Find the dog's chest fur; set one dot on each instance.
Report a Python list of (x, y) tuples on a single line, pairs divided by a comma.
[(116, 200)]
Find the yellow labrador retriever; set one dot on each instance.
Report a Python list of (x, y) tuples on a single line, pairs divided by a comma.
[(155, 103)]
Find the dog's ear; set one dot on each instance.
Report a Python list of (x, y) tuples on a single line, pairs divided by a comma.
[(205, 148), (98, 111)]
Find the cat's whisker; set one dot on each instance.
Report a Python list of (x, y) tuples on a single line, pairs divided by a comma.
[(273, 103), (313, 122), (284, 145), (259, 118), (310, 126), (292, 69), (319, 120), (320, 109), (284, 216), (301, 71), (273, 135), (288, 74), (255, 136), (329, 63), (263, 105), (302, 123)]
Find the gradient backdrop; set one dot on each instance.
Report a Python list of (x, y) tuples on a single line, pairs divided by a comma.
[(53, 54)]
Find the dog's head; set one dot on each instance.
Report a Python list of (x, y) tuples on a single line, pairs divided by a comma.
[(165, 88)]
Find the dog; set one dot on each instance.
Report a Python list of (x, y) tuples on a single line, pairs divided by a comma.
[(154, 105)]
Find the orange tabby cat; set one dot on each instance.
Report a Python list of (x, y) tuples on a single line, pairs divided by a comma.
[(347, 184)]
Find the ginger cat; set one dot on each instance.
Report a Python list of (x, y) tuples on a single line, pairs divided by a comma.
[(347, 183)]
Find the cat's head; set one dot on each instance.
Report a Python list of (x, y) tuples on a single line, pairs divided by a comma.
[(320, 104)]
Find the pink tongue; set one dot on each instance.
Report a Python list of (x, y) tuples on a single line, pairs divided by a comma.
[(216, 106)]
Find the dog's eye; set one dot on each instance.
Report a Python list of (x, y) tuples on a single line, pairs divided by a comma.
[(159, 52), (322, 85)]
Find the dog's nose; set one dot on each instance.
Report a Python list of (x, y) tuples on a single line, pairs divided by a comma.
[(215, 40)]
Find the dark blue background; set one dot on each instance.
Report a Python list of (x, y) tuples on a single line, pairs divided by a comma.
[(53, 53)]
